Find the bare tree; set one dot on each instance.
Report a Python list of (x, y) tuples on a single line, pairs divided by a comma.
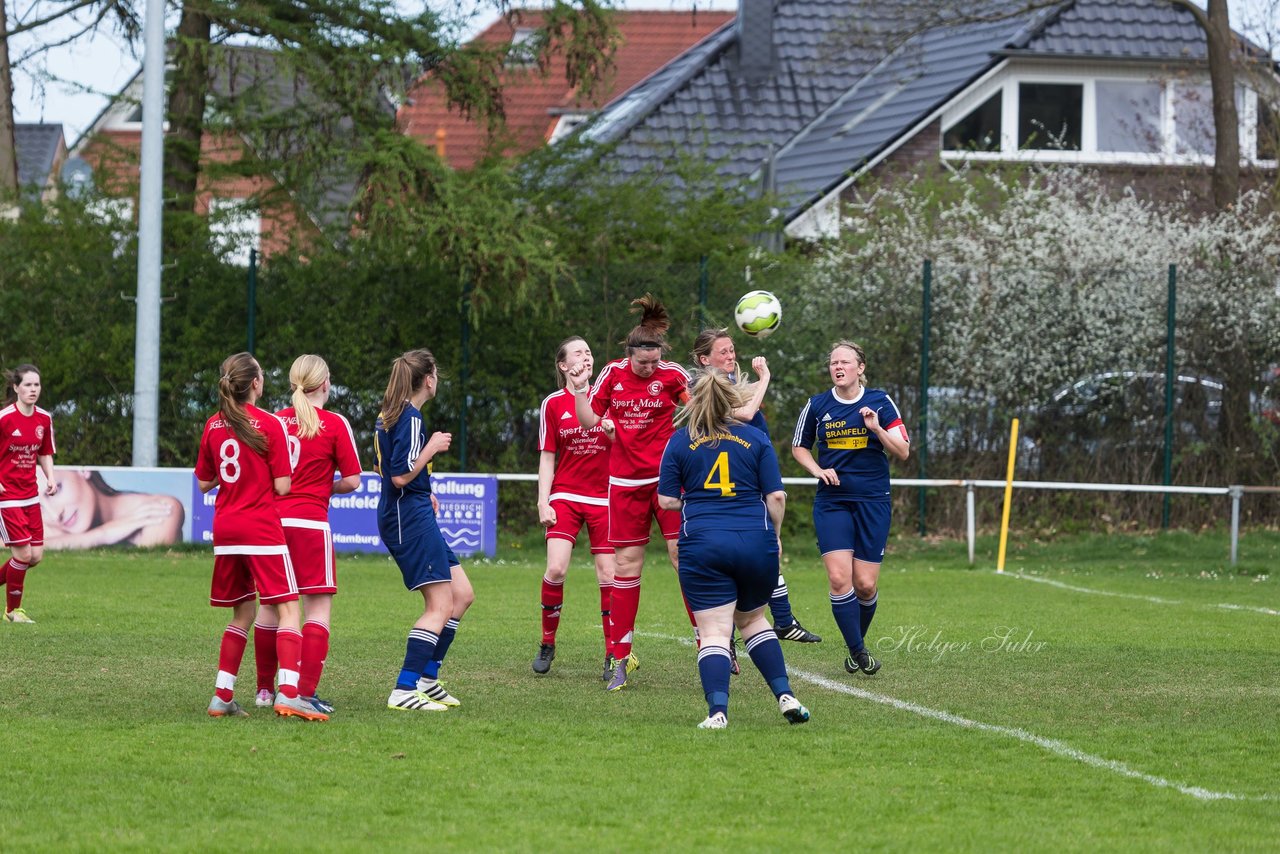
[(8, 145)]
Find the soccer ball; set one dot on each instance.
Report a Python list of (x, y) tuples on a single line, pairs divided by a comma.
[(758, 314)]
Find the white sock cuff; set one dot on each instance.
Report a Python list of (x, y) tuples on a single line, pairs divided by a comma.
[(287, 677), (225, 680)]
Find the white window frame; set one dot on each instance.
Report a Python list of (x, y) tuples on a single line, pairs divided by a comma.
[(1007, 81)]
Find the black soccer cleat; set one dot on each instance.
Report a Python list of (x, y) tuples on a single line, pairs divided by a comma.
[(546, 654), (608, 668), (796, 632), (861, 662)]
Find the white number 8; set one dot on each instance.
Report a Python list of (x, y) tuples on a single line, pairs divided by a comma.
[(229, 468), (295, 451)]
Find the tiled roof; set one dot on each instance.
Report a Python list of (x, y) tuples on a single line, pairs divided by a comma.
[(37, 146), (533, 102), (829, 109)]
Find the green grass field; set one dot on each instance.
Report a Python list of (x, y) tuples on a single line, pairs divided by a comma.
[(1133, 704)]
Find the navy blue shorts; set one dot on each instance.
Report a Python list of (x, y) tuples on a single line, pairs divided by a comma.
[(425, 560), (861, 527), (729, 566)]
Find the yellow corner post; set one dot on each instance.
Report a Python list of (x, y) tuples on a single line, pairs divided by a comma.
[(1008, 495)]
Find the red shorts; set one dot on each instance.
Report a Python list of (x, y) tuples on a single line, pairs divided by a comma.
[(311, 550), (631, 508), (22, 526), (241, 572), (572, 515)]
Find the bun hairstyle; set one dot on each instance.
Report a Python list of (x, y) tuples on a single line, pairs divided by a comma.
[(307, 374), (234, 385), (561, 352), (13, 378), (407, 373), (654, 323), (712, 399)]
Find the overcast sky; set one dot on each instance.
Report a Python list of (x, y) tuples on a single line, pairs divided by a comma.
[(72, 84)]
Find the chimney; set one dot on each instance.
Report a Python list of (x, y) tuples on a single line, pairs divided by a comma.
[(757, 60)]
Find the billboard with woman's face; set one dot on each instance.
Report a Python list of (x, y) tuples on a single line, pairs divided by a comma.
[(102, 506)]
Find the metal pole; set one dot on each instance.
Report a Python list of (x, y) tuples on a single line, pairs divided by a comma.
[(466, 373), (146, 352), (1235, 492), (253, 297), (970, 517), (1169, 378), (704, 317), (926, 314)]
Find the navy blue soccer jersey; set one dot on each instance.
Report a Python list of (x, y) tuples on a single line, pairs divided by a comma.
[(722, 479), (403, 514), (833, 428)]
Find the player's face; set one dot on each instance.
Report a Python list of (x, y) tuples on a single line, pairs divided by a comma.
[(723, 356), (578, 353), (845, 368), (28, 388), (645, 362)]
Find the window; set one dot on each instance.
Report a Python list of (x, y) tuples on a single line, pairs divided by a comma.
[(1192, 119), (1129, 116), (1049, 115), (235, 227), (978, 131), (524, 48), (1268, 131)]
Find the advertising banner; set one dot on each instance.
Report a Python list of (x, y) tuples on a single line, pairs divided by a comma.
[(108, 505)]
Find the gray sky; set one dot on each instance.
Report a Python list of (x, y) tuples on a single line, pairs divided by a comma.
[(71, 84)]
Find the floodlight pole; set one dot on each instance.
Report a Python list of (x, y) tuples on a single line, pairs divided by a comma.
[(146, 352)]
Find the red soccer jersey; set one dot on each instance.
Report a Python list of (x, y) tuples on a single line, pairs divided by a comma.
[(582, 456), (25, 439), (642, 409), (245, 513), (314, 461)]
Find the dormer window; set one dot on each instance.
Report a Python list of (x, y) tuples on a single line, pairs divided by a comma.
[(523, 52)]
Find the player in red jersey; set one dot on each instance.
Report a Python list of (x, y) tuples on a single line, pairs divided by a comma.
[(320, 443), (27, 433), (244, 452), (640, 393), (573, 491)]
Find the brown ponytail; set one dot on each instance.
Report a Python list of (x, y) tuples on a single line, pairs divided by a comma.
[(238, 373), (407, 374), (654, 323)]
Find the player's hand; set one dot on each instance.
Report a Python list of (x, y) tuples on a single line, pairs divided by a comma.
[(51, 489), (435, 505), (546, 515), (438, 444), (760, 367), (829, 477), (578, 375), (869, 417), (610, 429)]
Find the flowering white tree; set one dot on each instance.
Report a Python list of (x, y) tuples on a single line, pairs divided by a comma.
[(1046, 276)]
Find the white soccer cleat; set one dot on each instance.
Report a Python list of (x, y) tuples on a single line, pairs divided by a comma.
[(297, 707), (219, 708), (17, 615), (413, 701), (265, 699), (436, 692), (792, 710), (716, 721)]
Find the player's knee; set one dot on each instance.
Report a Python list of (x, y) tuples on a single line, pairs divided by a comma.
[(864, 589)]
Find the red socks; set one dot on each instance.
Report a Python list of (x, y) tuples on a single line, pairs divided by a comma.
[(623, 607), (289, 652), (264, 656), (315, 649), (552, 599), (15, 574), (234, 640)]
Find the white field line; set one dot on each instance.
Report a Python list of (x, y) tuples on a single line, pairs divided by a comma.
[(1053, 745), (1157, 600)]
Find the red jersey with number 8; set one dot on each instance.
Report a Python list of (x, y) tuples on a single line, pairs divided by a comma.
[(245, 513), (314, 461)]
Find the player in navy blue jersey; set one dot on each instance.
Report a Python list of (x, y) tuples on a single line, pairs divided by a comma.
[(407, 525), (713, 348), (722, 475), (854, 429)]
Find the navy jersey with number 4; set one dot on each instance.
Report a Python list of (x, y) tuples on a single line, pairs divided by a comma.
[(722, 479), (834, 429), (403, 514)]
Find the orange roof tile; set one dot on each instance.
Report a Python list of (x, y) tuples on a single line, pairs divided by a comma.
[(533, 103)]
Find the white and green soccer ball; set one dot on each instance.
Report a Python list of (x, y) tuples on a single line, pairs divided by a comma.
[(758, 314)]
